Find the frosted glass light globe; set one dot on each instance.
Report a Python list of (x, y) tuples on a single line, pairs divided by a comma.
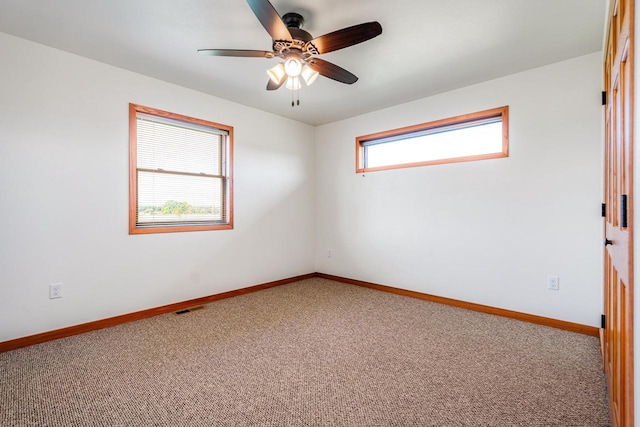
[(293, 67)]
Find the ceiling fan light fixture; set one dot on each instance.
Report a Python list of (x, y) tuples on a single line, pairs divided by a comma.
[(293, 67), (277, 73), (309, 75)]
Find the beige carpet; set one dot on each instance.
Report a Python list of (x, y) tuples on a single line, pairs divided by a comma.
[(311, 353)]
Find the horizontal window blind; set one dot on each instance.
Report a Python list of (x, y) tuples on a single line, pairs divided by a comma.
[(181, 173)]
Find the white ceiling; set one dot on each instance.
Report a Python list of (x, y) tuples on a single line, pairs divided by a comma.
[(426, 47)]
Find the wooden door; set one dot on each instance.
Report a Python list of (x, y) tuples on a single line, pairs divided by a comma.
[(617, 339)]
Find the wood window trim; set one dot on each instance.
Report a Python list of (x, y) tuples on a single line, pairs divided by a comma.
[(134, 109), (502, 112)]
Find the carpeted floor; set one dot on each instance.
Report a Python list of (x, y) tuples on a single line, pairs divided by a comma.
[(311, 353)]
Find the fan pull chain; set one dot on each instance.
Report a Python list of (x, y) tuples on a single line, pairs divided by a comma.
[(297, 97)]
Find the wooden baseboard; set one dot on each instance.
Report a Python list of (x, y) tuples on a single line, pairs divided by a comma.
[(554, 323), (131, 317)]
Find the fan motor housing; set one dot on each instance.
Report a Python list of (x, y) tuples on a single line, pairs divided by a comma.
[(299, 34), (294, 23)]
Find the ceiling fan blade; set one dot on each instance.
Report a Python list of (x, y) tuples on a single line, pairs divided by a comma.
[(270, 20), (237, 52), (332, 71), (346, 37), (274, 86)]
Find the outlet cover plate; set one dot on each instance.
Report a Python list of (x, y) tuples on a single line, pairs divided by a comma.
[(55, 290)]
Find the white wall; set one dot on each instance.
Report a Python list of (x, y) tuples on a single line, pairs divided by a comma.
[(491, 231), (64, 192)]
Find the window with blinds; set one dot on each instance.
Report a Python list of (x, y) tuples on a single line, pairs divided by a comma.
[(180, 173), (475, 136)]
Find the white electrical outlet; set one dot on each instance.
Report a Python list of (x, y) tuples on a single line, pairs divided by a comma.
[(554, 283), (55, 290), (329, 253)]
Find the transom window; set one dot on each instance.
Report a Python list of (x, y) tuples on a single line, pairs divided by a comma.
[(476, 136), (180, 173)]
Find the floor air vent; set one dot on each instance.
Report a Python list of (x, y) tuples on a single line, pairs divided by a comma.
[(189, 310)]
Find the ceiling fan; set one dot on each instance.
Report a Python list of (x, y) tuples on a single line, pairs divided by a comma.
[(297, 48)]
